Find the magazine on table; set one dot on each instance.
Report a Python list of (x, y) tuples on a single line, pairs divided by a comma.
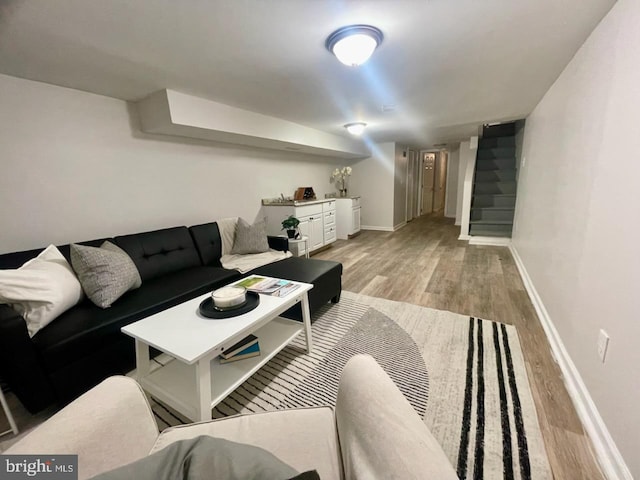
[(248, 352), (240, 346), (286, 289), (268, 286)]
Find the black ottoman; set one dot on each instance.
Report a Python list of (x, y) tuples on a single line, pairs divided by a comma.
[(325, 275)]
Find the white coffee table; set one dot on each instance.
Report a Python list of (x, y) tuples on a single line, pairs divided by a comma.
[(195, 381)]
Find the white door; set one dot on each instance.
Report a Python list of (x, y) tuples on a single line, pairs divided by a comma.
[(428, 177), (355, 224), (305, 230), (316, 232)]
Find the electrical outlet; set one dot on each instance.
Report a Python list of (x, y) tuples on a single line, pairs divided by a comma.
[(603, 344)]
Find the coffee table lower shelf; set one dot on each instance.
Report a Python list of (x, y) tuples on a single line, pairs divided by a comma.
[(175, 383)]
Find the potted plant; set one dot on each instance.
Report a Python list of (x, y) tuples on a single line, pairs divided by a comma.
[(290, 224)]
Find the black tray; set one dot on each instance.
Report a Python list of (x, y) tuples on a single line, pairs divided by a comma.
[(207, 308)]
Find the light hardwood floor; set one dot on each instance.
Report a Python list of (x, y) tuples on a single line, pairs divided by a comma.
[(424, 263)]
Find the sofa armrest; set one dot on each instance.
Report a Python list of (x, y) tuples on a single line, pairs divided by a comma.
[(381, 435), (107, 427), (20, 364), (278, 243)]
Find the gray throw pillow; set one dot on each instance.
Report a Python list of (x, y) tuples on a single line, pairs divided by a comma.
[(250, 238), (105, 273)]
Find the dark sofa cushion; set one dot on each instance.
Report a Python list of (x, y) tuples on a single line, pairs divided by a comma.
[(208, 242), (160, 252), (85, 328)]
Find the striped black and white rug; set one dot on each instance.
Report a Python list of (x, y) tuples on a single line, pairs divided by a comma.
[(465, 377)]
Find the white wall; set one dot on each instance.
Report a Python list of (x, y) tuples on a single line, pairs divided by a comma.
[(519, 140), (373, 180), (466, 156), (451, 199), (400, 186), (75, 166), (577, 212)]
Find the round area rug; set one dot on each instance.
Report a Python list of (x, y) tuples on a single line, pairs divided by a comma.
[(379, 336)]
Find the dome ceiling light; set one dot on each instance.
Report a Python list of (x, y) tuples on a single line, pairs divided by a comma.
[(355, 128), (353, 45)]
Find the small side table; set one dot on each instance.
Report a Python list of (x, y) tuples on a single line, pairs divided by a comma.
[(304, 240), (7, 412)]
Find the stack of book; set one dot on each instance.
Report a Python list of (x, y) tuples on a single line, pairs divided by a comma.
[(268, 286), (246, 348)]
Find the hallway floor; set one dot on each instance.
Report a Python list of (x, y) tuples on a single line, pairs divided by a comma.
[(424, 263)]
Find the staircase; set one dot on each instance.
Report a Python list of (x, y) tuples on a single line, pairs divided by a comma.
[(494, 189)]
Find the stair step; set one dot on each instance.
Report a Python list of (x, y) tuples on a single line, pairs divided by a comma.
[(494, 208), (483, 164), (492, 142), (498, 152), (490, 229), (490, 222), (494, 187), (483, 200), (494, 214), (496, 175), (478, 232)]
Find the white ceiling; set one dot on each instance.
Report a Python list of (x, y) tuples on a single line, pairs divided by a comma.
[(446, 65)]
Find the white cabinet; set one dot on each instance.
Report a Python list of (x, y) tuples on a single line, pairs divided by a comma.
[(355, 223), (347, 217), (312, 227), (317, 221), (329, 221)]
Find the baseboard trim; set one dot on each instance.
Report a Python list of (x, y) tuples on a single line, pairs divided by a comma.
[(494, 241), (607, 453), (464, 237), (378, 229), (399, 226)]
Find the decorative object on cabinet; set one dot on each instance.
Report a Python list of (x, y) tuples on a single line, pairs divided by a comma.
[(290, 224), (340, 177), (304, 193)]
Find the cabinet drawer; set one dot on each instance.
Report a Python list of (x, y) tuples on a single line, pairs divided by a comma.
[(327, 206), (329, 218), (355, 202), (308, 210), (329, 234)]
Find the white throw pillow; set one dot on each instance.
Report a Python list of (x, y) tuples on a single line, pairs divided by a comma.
[(227, 228), (41, 289)]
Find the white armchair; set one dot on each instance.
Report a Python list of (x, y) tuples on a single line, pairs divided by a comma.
[(373, 433)]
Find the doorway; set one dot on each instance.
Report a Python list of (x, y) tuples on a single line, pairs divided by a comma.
[(440, 181), (428, 182), (431, 182)]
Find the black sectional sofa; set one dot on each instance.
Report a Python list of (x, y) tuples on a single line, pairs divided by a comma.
[(84, 345)]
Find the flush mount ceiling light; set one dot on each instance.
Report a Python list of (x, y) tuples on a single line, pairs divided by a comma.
[(355, 128), (353, 45)]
